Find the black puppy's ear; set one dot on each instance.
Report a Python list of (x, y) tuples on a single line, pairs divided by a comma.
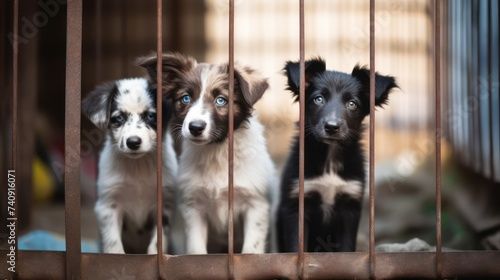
[(174, 67), (313, 67), (250, 83), (97, 105), (383, 84)]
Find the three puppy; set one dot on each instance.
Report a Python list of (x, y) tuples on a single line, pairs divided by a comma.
[(336, 104)]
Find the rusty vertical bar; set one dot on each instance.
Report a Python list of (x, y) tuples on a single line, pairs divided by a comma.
[(437, 85), (302, 103), (230, 225), (72, 139), (98, 41), (159, 129), (372, 141), (15, 88)]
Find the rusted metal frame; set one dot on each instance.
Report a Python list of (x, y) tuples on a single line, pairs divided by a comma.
[(230, 194), (437, 89), (50, 265), (371, 178), (302, 88), (72, 139), (159, 139), (15, 89)]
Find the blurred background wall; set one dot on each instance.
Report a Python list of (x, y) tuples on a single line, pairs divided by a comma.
[(115, 32)]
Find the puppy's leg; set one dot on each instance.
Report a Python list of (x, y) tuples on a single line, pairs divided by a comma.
[(256, 226), (196, 231), (110, 219), (348, 215), (152, 247), (288, 228)]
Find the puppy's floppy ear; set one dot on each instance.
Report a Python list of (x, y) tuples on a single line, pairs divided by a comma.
[(383, 84), (252, 86), (313, 67), (97, 105), (174, 66)]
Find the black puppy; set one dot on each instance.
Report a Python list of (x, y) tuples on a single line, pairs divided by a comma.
[(336, 104)]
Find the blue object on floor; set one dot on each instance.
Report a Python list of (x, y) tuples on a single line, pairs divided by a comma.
[(48, 241)]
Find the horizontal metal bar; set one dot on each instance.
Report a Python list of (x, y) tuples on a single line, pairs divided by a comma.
[(50, 265)]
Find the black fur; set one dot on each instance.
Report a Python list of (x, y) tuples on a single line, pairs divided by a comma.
[(329, 97)]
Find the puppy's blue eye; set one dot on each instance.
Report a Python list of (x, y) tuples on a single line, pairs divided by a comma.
[(220, 101), (318, 100), (151, 117), (186, 99), (118, 118), (352, 105)]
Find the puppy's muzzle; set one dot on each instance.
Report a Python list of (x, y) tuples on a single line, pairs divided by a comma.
[(196, 128)]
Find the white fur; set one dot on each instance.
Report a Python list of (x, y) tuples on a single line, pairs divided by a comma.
[(126, 184), (134, 100), (196, 113), (328, 185), (130, 186), (203, 185)]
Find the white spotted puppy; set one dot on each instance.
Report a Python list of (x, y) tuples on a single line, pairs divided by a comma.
[(127, 194)]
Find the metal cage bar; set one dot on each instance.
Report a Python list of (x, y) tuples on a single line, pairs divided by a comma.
[(159, 139), (50, 265), (302, 110), (371, 178), (72, 139), (230, 194)]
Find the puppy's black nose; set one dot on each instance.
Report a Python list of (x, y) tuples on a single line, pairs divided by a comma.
[(196, 128), (331, 127), (134, 142)]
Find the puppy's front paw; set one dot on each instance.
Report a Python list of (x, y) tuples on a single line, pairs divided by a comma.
[(152, 248), (114, 249)]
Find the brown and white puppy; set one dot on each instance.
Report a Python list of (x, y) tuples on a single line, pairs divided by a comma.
[(200, 94)]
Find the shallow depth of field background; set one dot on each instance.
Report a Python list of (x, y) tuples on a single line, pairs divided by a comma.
[(266, 36)]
